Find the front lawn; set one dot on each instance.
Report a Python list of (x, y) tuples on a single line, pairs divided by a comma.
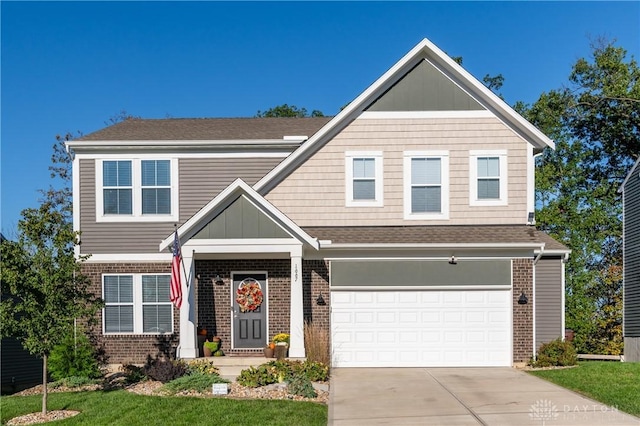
[(125, 408), (613, 383)]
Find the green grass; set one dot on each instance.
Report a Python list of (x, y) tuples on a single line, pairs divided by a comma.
[(124, 408), (613, 383)]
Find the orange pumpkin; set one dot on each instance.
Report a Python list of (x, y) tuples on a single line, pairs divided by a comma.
[(272, 345)]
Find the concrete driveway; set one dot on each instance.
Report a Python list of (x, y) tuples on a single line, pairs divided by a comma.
[(459, 396)]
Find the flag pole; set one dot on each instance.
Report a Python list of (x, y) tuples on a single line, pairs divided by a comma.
[(184, 270)]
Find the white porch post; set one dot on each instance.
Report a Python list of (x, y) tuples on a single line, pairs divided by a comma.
[(187, 347), (296, 341)]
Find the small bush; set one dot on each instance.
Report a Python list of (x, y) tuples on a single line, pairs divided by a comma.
[(316, 343), (74, 357), (200, 382), (165, 371), (202, 366), (555, 353), (133, 373), (300, 385), (74, 382), (282, 370)]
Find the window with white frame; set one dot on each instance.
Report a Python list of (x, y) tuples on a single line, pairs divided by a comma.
[(137, 304), (426, 185), (488, 178), (136, 190), (364, 183)]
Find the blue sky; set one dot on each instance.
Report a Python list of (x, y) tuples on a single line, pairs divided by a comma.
[(70, 66)]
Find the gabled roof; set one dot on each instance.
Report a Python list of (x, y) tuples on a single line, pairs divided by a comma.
[(425, 50), (222, 201), (176, 129), (635, 167)]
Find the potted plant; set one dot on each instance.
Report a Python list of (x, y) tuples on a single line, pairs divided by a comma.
[(281, 342), (269, 350), (210, 347)]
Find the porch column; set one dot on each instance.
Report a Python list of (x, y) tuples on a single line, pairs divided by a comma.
[(296, 341), (187, 347)]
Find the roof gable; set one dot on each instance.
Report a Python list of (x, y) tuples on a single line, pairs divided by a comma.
[(634, 168), (227, 198), (241, 219), (425, 50), (425, 88)]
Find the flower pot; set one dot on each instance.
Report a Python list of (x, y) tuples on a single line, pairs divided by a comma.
[(281, 351), (206, 351), (268, 352)]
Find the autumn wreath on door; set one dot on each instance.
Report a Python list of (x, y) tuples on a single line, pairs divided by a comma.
[(249, 295)]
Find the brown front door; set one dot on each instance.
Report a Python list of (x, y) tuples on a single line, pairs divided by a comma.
[(250, 320)]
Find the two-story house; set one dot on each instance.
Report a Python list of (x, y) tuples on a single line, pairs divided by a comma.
[(403, 226), (630, 190)]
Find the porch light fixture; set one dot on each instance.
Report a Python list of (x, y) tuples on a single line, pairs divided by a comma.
[(320, 300), (453, 261), (522, 300), (217, 280)]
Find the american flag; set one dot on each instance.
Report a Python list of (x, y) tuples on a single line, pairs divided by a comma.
[(176, 282)]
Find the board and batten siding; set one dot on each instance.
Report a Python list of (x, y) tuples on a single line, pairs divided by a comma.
[(200, 180), (314, 194), (548, 300), (631, 242)]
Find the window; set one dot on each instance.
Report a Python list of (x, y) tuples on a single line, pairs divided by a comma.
[(488, 178), (136, 190), (137, 304), (156, 187), (117, 189), (364, 179), (426, 187)]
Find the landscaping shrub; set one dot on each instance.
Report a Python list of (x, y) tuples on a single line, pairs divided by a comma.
[(133, 373), (555, 353), (200, 382), (202, 366), (282, 370), (165, 371), (316, 343), (74, 357), (301, 385)]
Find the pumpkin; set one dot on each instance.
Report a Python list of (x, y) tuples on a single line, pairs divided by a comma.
[(272, 345)]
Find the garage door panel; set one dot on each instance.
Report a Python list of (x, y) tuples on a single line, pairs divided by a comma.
[(403, 330)]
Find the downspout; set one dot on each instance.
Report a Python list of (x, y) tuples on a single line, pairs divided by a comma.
[(533, 290)]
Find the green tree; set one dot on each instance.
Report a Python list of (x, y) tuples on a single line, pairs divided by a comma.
[(286, 110), (596, 125), (43, 287)]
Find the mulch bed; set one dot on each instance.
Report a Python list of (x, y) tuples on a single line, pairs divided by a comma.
[(150, 387)]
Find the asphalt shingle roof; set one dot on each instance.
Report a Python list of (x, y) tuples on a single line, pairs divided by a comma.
[(463, 234), (208, 129)]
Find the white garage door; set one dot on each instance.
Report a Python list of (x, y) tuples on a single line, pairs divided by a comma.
[(421, 328)]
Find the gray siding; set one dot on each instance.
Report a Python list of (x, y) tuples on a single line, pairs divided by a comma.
[(420, 273), (548, 300), (20, 370), (632, 256), (200, 180), (242, 220), (632, 349), (425, 88)]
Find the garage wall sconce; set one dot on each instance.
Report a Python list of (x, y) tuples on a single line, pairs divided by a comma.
[(217, 280), (522, 300), (453, 261), (320, 300)]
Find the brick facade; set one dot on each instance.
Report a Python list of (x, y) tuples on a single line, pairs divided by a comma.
[(522, 314), (130, 348)]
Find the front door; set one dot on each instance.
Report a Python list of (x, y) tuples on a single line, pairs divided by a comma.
[(249, 310)]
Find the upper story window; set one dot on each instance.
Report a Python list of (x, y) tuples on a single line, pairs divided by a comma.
[(130, 190), (364, 181), (426, 185), (137, 304), (488, 178)]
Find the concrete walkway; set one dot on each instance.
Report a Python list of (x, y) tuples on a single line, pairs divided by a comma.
[(459, 396)]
